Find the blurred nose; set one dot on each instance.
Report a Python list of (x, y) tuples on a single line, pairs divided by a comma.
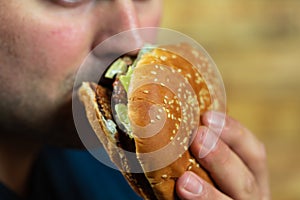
[(121, 16)]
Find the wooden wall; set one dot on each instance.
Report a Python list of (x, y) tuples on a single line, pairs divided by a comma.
[(256, 45)]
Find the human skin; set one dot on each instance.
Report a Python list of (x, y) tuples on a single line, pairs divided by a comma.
[(42, 44), (237, 164)]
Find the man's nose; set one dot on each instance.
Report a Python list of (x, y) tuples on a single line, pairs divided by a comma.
[(126, 15), (121, 16)]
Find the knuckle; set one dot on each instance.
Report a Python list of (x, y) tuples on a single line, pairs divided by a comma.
[(250, 185), (263, 154), (265, 197), (231, 122), (249, 190), (260, 155), (225, 156), (220, 155)]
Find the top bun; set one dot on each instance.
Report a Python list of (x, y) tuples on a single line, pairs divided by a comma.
[(167, 95)]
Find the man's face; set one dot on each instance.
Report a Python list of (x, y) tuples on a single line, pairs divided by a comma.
[(42, 44)]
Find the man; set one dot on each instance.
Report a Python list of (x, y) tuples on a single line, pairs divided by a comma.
[(42, 43)]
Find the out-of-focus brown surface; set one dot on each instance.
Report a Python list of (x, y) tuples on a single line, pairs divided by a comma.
[(256, 45)]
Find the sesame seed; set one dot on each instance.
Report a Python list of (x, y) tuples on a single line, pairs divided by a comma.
[(192, 161), (164, 176), (160, 110), (162, 84), (179, 70), (185, 148), (153, 72), (189, 75), (172, 116), (155, 80), (182, 84), (189, 168), (185, 140), (163, 58), (146, 91), (201, 100), (158, 117), (174, 56), (195, 53), (171, 138), (152, 121)]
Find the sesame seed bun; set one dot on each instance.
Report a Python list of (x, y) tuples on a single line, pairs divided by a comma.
[(166, 96)]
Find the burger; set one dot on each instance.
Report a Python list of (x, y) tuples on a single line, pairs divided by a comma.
[(145, 111)]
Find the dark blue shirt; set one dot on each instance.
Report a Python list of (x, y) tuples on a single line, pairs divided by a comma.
[(73, 174)]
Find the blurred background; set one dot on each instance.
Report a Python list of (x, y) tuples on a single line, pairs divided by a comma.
[(256, 46)]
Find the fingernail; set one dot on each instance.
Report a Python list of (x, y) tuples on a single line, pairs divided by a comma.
[(193, 185), (215, 118), (207, 142)]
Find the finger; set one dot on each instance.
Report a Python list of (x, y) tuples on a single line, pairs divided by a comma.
[(244, 144), (191, 187), (226, 168)]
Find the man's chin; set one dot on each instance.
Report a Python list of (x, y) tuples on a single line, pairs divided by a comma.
[(62, 131)]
